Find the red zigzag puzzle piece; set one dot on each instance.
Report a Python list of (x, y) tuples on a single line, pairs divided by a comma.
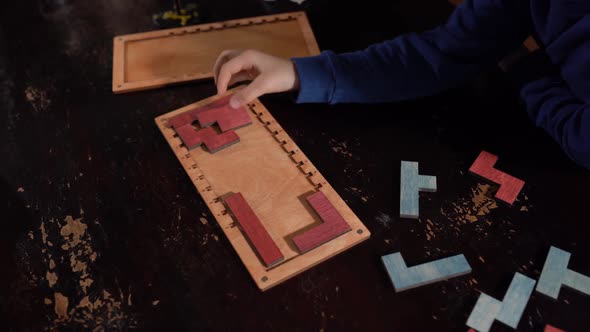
[(509, 186)]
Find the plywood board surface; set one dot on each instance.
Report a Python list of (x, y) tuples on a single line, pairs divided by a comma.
[(274, 176)]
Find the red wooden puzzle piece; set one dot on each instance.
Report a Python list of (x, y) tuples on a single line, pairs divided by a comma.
[(509, 186), (182, 119), (226, 117), (214, 142), (190, 116), (549, 328), (255, 232), (333, 224), (218, 111)]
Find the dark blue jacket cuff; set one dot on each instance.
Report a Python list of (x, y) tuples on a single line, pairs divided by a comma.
[(316, 78)]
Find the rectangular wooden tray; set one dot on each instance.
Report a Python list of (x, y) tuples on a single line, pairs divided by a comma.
[(158, 58), (274, 176)]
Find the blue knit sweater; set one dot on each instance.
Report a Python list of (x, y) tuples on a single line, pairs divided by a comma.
[(478, 33)]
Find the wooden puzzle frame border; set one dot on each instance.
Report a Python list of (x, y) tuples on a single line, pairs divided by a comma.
[(120, 85), (264, 277)]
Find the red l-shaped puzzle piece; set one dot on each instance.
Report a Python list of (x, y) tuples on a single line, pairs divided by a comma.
[(333, 224)]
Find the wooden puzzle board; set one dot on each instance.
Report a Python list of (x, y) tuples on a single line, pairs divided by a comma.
[(158, 58), (274, 176)]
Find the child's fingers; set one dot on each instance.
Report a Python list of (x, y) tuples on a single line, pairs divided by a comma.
[(242, 76), (257, 88), (221, 59), (227, 70)]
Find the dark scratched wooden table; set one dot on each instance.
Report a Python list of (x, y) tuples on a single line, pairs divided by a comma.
[(103, 229)]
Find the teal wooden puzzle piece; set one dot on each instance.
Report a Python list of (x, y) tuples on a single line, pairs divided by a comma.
[(484, 313), (556, 274), (411, 183), (509, 311), (404, 278)]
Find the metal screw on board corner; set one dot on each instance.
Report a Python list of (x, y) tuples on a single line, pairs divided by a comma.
[(359, 231), (264, 279)]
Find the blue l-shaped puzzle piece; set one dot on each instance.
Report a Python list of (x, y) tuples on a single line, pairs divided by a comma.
[(404, 278)]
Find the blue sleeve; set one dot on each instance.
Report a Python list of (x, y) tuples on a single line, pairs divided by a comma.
[(477, 33), (555, 87), (553, 107)]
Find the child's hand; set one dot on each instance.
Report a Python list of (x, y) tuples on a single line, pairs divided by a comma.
[(268, 74)]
